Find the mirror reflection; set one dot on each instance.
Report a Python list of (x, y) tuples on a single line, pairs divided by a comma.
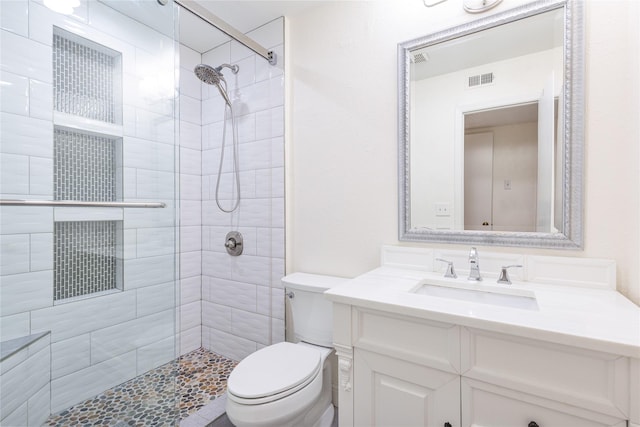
[(485, 141), (491, 130)]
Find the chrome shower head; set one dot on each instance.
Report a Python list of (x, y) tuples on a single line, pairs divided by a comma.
[(208, 74), (213, 76)]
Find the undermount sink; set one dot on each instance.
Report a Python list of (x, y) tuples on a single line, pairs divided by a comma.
[(479, 293)]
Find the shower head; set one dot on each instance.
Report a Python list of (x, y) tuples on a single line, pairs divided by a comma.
[(213, 76), (208, 74)]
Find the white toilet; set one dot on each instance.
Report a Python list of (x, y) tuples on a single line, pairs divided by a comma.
[(288, 384)]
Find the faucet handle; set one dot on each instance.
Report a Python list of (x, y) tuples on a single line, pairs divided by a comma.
[(504, 275), (451, 272)]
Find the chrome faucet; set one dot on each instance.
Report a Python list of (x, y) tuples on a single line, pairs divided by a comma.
[(474, 266)]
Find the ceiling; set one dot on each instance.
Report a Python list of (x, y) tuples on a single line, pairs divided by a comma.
[(526, 36), (243, 15)]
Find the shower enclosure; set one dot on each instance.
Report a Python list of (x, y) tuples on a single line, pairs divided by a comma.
[(88, 232), (112, 263)]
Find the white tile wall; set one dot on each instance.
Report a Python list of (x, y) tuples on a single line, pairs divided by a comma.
[(80, 317), (155, 354), (14, 253), (15, 16), (70, 355), (39, 406), (149, 271), (25, 292), (14, 326), (190, 339), (154, 299), (241, 294), (26, 136), (24, 381), (85, 383), (113, 341), (15, 93)]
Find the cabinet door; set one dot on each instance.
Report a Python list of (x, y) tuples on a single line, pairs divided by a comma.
[(396, 393), (489, 405)]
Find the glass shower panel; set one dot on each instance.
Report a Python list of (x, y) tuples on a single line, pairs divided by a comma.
[(88, 295)]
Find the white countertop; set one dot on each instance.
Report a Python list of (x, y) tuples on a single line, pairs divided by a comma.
[(595, 319)]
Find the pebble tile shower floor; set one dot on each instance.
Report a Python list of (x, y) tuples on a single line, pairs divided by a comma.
[(160, 397)]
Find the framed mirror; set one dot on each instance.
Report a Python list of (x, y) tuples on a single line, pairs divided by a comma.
[(491, 130)]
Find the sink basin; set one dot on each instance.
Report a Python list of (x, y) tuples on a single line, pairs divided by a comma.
[(482, 294)]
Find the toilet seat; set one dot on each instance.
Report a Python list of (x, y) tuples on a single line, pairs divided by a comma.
[(273, 372)]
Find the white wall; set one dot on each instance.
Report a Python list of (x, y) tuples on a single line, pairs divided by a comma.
[(342, 155)]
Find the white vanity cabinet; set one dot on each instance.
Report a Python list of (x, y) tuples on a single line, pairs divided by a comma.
[(404, 370)]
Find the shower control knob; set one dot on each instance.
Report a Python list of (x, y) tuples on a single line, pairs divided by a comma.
[(233, 243)]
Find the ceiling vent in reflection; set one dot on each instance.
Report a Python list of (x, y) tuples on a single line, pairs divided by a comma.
[(480, 80), (419, 57)]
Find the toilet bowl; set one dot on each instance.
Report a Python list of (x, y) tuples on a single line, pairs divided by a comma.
[(289, 384)]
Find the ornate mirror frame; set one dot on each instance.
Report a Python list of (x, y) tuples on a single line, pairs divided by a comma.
[(571, 236)]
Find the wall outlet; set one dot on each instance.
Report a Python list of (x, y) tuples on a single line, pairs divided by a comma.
[(443, 209)]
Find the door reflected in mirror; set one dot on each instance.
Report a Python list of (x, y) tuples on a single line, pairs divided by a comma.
[(501, 155)]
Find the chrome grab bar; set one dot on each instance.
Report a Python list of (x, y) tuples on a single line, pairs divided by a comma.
[(78, 203)]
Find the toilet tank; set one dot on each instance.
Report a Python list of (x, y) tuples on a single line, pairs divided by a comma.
[(311, 312)]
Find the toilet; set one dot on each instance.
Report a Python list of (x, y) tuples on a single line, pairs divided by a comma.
[(289, 384)]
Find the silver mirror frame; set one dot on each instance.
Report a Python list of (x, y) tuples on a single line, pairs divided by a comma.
[(573, 129)]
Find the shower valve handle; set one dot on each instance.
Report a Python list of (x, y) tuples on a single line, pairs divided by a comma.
[(233, 243)]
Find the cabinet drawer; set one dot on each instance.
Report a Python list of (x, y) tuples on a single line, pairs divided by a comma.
[(588, 379), (433, 344), (488, 405)]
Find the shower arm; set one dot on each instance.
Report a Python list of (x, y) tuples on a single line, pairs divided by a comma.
[(210, 18)]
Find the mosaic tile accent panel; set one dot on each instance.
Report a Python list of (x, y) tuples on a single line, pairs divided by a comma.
[(84, 167), (84, 76), (160, 397), (85, 258)]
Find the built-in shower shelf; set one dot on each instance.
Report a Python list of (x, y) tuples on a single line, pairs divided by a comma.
[(87, 78), (83, 124)]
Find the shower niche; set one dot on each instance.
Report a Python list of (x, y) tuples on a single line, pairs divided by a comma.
[(87, 167)]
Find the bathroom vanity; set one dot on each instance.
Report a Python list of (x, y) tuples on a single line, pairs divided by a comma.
[(558, 347)]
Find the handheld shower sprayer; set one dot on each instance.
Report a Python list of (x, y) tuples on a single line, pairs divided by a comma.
[(213, 76)]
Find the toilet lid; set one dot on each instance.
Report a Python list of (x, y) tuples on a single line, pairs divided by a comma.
[(273, 370)]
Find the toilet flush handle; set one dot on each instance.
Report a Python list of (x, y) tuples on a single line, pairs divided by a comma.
[(290, 295)]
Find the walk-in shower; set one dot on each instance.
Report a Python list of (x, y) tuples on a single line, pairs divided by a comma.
[(213, 76), (114, 283)]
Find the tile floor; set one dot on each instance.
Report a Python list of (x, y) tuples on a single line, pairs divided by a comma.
[(177, 391)]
